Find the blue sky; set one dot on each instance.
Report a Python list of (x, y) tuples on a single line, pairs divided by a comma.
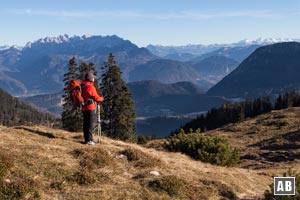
[(165, 22)]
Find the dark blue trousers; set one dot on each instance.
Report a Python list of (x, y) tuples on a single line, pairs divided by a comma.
[(89, 123)]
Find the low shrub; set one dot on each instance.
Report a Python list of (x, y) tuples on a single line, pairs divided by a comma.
[(141, 158), (169, 184), (133, 154), (93, 158), (214, 150), (141, 139), (84, 177)]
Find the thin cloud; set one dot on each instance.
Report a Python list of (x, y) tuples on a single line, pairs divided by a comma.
[(185, 14), (202, 15), (73, 13)]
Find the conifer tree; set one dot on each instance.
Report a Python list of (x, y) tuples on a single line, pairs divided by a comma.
[(257, 107), (71, 116), (240, 112), (118, 107), (279, 103), (295, 98), (266, 104)]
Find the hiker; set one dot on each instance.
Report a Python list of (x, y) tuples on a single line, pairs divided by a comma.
[(91, 97)]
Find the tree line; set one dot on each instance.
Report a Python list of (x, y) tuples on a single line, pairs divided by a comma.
[(234, 112)]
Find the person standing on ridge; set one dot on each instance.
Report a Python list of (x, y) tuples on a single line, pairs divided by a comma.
[(91, 97)]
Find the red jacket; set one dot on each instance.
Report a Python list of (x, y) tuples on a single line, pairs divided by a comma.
[(89, 93)]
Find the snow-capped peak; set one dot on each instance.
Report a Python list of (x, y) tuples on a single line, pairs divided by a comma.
[(8, 47), (59, 39), (263, 41), (4, 47), (28, 45)]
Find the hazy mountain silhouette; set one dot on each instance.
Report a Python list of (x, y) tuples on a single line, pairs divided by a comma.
[(269, 70), (40, 65)]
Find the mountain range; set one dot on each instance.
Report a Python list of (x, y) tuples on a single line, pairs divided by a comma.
[(161, 68), (237, 54), (38, 67), (269, 70), (199, 49)]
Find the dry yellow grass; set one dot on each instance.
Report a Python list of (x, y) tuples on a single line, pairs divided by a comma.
[(59, 166), (270, 141)]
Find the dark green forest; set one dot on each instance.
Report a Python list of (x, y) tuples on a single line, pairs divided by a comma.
[(15, 112), (234, 112)]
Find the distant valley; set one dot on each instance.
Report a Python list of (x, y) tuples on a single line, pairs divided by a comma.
[(156, 103), (151, 98)]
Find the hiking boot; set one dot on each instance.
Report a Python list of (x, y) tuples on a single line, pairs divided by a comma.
[(91, 143)]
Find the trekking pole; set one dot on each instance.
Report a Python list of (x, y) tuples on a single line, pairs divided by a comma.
[(99, 123)]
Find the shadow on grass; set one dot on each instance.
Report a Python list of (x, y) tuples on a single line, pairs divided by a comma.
[(280, 148), (41, 133), (287, 141)]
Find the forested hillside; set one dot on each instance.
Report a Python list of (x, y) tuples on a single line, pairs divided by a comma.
[(15, 112)]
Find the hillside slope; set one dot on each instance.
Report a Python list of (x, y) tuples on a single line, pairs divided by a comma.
[(15, 112), (269, 141), (54, 164)]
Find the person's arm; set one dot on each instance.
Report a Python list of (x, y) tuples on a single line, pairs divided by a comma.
[(95, 95)]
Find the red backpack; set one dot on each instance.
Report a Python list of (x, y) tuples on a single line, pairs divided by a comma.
[(75, 93)]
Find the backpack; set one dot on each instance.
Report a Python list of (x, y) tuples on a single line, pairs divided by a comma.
[(75, 92)]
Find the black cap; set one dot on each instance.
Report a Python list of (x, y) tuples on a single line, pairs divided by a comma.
[(89, 76)]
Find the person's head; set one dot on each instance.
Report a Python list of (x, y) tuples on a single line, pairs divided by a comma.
[(90, 77)]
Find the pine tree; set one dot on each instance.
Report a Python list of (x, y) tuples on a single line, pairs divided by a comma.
[(279, 103), (71, 116), (240, 112), (257, 107), (118, 107), (296, 98), (266, 104)]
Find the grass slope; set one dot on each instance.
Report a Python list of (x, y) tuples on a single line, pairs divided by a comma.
[(269, 141), (45, 163)]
